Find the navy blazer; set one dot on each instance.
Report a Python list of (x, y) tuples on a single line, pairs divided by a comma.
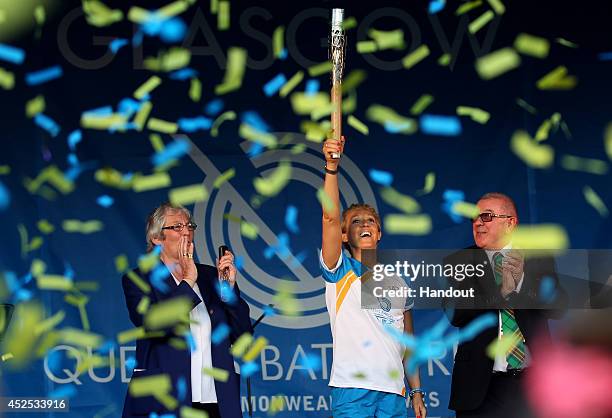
[(159, 355)]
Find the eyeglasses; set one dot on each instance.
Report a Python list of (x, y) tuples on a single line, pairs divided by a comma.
[(488, 217), (179, 227)]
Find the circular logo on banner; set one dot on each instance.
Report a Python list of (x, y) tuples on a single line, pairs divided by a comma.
[(255, 283)]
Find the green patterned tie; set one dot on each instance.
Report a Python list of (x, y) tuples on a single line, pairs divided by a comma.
[(516, 356)]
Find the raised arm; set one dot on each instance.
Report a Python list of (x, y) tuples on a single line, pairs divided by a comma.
[(331, 247)]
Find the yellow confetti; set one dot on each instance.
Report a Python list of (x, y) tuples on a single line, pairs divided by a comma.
[(174, 59), (87, 227), (102, 122), (608, 140), (557, 79), (498, 6), (228, 115), (147, 87), (224, 178), (84, 319), (314, 131), (466, 7), (543, 131), (76, 300), (478, 115), (249, 230), (151, 182), (325, 200), (53, 282), (121, 263), (285, 299), (195, 90), (148, 262), (275, 182), (589, 165), (532, 45), (7, 356), (502, 346), (277, 404), (533, 154), (278, 41), (241, 345), (236, 65), (223, 18), (142, 115), (162, 126), (481, 21), (131, 335), (304, 104), (156, 142), (421, 104), (358, 125), (415, 56), (37, 267), (385, 115), (188, 194), (158, 386), (291, 84), (7, 79), (353, 80), (5, 169), (400, 201), (250, 133), (143, 305), (99, 15), (393, 39), (522, 103), (21, 337), (444, 60), (497, 63), (49, 323), (349, 23), (220, 375), (408, 224), (566, 43), (138, 15), (465, 209), (259, 344), (430, 183), (137, 280), (113, 178), (320, 69), (167, 313), (188, 412), (594, 200), (540, 237), (45, 226), (366, 47), (80, 338), (57, 179), (35, 106)]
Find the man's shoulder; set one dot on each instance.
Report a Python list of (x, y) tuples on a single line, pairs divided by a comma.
[(468, 253)]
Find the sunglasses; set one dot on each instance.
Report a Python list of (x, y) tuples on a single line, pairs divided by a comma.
[(488, 217)]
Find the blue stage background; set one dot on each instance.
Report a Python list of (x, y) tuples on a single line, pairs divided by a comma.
[(476, 161)]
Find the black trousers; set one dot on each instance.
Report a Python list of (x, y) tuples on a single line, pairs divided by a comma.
[(212, 409), (504, 399)]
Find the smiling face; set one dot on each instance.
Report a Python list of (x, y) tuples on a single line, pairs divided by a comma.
[(496, 234), (361, 229)]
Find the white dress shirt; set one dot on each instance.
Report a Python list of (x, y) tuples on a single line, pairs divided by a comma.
[(501, 364), (202, 385)]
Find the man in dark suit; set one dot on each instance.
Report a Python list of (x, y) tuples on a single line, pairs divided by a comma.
[(491, 387), (165, 352)]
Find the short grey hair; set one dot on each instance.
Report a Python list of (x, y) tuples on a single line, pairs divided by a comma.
[(508, 201), (157, 218)]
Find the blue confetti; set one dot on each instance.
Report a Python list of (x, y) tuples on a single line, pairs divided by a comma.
[(291, 219), (74, 138), (39, 77), (117, 44), (384, 178), (269, 311), (248, 369), (47, 124), (66, 391), (440, 125), (128, 107), (548, 291), (173, 150), (54, 360), (214, 107), (194, 124), (27, 278), (252, 118), (23, 295), (225, 292), (396, 127), (100, 111), (183, 74), (130, 363), (450, 197), (105, 201), (239, 262), (68, 271), (435, 6), (173, 30), (73, 159), (107, 346), (137, 39), (5, 197), (281, 248), (274, 85), (283, 54), (181, 388), (255, 149), (312, 87), (11, 54), (311, 361), (159, 276), (605, 56), (190, 342), (220, 333)]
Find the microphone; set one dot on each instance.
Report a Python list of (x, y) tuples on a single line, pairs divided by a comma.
[(222, 250)]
